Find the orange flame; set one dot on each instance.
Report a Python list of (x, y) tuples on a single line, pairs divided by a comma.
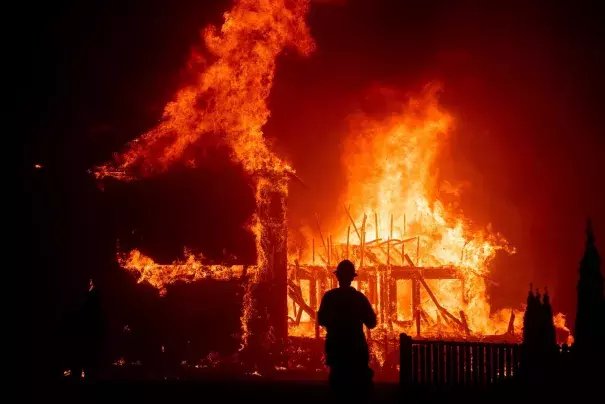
[(230, 97), (228, 100), (189, 270), (391, 166), (394, 174)]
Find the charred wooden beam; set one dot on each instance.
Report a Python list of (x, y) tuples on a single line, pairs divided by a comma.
[(464, 323), (432, 296), (297, 298), (511, 324), (313, 293), (321, 235), (354, 225)]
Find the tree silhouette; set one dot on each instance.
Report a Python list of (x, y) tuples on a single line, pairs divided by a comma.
[(550, 334), (530, 329), (590, 317), (539, 347)]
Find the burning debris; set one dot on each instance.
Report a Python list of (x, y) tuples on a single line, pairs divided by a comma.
[(425, 269)]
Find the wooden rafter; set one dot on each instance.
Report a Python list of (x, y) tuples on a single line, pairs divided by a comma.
[(431, 295)]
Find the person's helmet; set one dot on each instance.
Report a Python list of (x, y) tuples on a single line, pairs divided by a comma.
[(346, 269)]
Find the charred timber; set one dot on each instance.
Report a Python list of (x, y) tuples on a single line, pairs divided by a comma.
[(397, 272)]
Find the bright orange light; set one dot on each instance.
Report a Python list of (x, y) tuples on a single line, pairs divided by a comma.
[(228, 101), (391, 164)]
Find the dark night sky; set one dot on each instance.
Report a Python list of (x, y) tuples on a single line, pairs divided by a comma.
[(525, 83)]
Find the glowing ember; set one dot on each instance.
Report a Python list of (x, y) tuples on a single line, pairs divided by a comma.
[(120, 362)]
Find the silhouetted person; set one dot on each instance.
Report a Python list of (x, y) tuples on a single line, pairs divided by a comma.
[(344, 311)]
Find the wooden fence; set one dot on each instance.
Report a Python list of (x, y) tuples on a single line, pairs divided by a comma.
[(444, 363)]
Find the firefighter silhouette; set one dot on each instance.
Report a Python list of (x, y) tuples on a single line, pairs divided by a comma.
[(344, 311)]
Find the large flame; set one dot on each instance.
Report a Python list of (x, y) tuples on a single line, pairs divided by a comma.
[(394, 194), (190, 269), (229, 97), (228, 100), (391, 165)]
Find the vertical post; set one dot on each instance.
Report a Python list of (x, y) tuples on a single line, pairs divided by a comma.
[(389, 252), (501, 362), (376, 224), (333, 250), (468, 363), (509, 361), (427, 363), (462, 363), (391, 287), (348, 237), (434, 361), (481, 362), (452, 364), (464, 295), (416, 300), (475, 355), (515, 359), (415, 363), (329, 251), (441, 358), (417, 315), (488, 363), (403, 243), (405, 360), (372, 289), (363, 239), (464, 323), (417, 251), (313, 293), (313, 250)]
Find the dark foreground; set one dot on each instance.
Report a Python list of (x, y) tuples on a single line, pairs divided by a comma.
[(266, 391)]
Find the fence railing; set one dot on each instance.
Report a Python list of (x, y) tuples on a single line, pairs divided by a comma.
[(456, 363)]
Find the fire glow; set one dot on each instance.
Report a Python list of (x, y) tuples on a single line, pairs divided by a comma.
[(393, 222), (401, 236)]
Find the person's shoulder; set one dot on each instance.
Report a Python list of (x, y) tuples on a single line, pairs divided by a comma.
[(330, 293), (360, 295)]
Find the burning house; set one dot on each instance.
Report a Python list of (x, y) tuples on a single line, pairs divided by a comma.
[(420, 262)]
